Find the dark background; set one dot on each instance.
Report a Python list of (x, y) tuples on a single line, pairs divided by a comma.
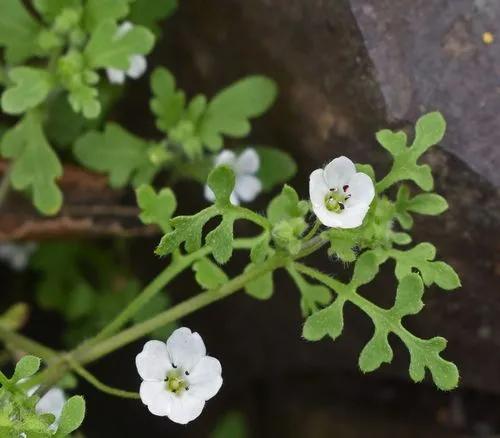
[(345, 69)]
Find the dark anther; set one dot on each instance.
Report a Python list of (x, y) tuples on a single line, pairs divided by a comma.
[(341, 205), (345, 187), (186, 373), (187, 388), (166, 379), (175, 366)]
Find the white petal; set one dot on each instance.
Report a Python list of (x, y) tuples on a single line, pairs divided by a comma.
[(138, 66), (185, 349), (225, 157), (153, 361), (209, 194), (339, 171), (318, 188), (115, 76), (185, 408), (247, 187), (352, 217), (52, 403), (124, 29), (247, 162), (155, 396), (361, 189), (325, 216), (205, 378)]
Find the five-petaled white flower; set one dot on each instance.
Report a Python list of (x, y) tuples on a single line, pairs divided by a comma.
[(178, 376), (340, 196), (245, 166), (17, 255), (137, 63)]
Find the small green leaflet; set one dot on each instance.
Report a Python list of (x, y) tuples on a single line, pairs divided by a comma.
[(26, 367), (313, 296), (118, 153), (50, 9), (286, 205), (18, 31), (72, 416), (229, 111), (35, 165), (261, 287), (31, 87), (208, 275), (106, 49), (156, 208), (429, 130)]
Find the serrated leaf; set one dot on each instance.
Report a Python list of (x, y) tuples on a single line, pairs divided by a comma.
[(106, 49), (208, 275), (221, 180), (31, 87), (18, 31), (328, 321), (261, 287), (156, 208), (376, 352), (428, 203), (313, 296), (123, 156), (97, 11), (26, 367), (221, 241), (187, 229), (35, 165), (365, 269), (425, 354), (228, 113), (167, 103), (276, 167), (72, 416)]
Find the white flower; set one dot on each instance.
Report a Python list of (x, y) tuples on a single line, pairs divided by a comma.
[(245, 166), (340, 196), (178, 376), (137, 63), (17, 255)]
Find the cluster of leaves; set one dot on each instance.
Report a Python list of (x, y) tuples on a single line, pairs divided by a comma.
[(284, 233), (54, 52), (90, 290), (18, 415), (190, 131)]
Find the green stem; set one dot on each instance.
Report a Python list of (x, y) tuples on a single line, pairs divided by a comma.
[(94, 381), (253, 217), (312, 231), (27, 345), (386, 182), (175, 268), (96, 351)]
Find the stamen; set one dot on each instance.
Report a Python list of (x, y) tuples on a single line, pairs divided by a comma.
[(186, 373), (345, 188), (174, 366), (341, 205)]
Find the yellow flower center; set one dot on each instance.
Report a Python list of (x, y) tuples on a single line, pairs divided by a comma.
[(174, 382)]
